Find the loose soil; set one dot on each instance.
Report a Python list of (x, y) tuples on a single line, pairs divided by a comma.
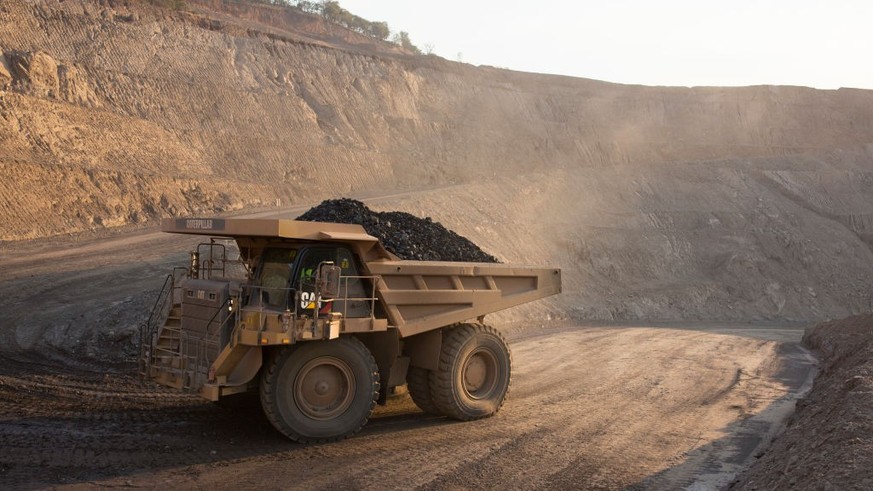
[(828, 443)]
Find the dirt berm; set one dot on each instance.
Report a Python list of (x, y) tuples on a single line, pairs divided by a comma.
[(828, 442)]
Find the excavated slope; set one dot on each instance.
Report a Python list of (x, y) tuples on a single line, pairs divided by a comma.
[(658, 202)]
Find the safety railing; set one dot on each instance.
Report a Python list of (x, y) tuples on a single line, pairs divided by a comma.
[(292, 299), (168, 296), (346, 299), (212, 261), (191, 354)]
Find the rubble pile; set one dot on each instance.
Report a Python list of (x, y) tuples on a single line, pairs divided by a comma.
[(406, 236)]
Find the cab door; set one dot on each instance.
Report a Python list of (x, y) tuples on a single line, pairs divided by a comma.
[(352, 290)]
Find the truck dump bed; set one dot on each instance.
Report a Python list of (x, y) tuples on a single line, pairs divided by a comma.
[(424, 295)]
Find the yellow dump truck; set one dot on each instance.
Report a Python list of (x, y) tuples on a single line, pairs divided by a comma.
[(325, 322)]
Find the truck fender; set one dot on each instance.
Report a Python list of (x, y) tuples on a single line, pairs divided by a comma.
[(423, 349), (247, 367), (385, 348)]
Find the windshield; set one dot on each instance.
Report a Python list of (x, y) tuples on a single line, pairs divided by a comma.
[(274, 277), (277, 281)]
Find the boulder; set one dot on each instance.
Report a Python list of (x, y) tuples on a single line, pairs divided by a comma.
[(35, 73)]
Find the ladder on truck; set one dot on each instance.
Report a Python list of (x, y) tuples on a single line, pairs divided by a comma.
[(168, 354)]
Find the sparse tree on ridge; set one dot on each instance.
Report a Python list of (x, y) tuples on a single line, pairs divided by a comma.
[(402, 38), (380, 30), (310, 7), (332, 11)]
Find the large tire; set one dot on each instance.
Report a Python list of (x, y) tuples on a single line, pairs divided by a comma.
[(474, 372), (418, 383), (320, 391)]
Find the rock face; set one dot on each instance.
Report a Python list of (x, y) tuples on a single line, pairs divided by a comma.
[(404, 235), (35, 73), (658, 202), (38, 74)]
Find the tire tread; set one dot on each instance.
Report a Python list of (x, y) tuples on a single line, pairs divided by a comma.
[(441, 380), (269, 390), (418, 384)]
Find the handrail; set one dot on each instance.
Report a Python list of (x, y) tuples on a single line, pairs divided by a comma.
[(344, 280), (221, 307), (208, 267), (164, 292), (146, 330), (256, 299), (149, 330), (210, 340), (193, 352)]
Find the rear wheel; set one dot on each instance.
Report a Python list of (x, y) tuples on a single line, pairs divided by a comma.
[(474, 372), (417, 381), (320, 391)]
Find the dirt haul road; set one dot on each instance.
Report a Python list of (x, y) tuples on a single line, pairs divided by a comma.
[(590, 407)]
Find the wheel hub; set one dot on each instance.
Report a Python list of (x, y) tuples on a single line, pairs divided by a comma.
[(475, 374), (324, 388), (321, 388), (480, 374)]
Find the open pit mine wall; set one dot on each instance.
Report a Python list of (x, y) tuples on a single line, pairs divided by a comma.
[(658, 202), (118, 115)]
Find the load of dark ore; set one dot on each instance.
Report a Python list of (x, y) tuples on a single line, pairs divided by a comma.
[(406, 236)]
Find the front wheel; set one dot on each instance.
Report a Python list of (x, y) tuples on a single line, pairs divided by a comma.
[(320, 391), (474, 372)]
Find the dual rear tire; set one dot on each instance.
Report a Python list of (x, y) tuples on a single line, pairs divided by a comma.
[(473, 376)]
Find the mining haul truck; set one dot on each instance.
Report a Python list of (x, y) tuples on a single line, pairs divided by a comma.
[(324, 322)]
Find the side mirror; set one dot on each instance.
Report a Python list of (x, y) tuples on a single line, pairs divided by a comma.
[(327, 281)]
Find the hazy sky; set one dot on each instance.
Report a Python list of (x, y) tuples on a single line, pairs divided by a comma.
[(823, 44)]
